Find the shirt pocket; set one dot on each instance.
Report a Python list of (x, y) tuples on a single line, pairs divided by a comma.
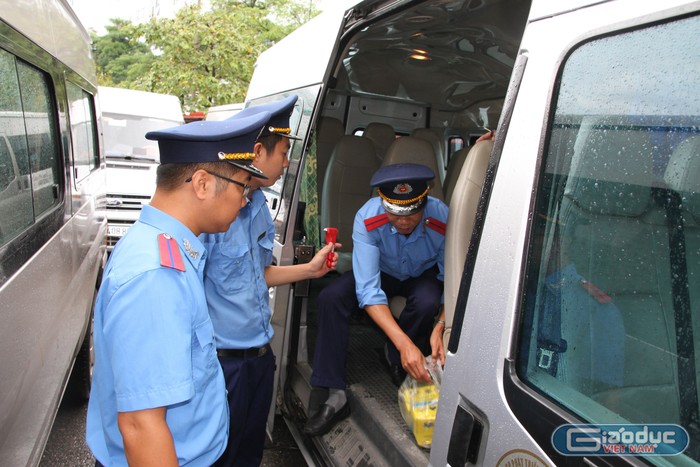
[(204, 361), (233, 264)]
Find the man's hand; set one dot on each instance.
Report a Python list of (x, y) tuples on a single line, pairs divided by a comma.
[(318, 266), (413, 362), (436, 343)]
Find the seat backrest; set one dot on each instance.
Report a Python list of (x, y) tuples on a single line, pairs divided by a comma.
[(431, 136), (454, 167), (346, 188), (416, 151), (460, 223), (683, 176), (614, 234), (381, 135), (328, 131)]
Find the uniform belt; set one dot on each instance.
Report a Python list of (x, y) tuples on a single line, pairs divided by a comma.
[(243, 353)]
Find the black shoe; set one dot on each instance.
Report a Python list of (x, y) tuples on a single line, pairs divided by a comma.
[(397, 373), (324, 419)]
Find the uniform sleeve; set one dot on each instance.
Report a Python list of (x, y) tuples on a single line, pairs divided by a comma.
[(365, 265), (148, 338)]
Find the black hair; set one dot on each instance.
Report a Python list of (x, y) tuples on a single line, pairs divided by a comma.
[(170, 176)]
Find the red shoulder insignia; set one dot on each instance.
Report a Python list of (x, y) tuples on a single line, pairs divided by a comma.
[(595, 292), (170, 253), (436, 225), (376, 221)]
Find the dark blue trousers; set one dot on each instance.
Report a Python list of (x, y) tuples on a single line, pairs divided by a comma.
[(338, 300), (249, 384)]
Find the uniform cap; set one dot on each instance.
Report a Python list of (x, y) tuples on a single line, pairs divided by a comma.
[(280, 112), (403, 187), (212, 141)]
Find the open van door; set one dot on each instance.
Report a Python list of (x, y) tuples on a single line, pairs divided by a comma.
[(573, 342), (311, 53)]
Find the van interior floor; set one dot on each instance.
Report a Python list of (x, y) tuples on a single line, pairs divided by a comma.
[(375, 433)]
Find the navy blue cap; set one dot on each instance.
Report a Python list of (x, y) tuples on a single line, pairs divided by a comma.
[(212, 141), (279, 120), (403, 187)]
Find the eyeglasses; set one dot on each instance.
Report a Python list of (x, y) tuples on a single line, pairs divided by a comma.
[(245, 186)]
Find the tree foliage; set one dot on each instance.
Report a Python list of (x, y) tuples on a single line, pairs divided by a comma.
[(205, 57), (119, 56)]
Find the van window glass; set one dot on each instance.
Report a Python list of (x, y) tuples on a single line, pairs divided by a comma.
[(16, 207), (40, 124), (85, 156), (611, 321)]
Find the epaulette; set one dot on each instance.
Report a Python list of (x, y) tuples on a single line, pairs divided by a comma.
[(595, 292), (376, 222), (170, 253), (436, 225)]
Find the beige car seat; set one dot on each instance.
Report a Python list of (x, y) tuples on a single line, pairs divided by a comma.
[(381, 135), (460, 224), (345, 189), (431, 136)]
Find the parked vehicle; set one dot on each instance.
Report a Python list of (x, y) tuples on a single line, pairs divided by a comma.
[(52, 221), (127, 115), (572, 255)]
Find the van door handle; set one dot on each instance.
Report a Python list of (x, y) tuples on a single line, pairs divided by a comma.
[(465, 439)]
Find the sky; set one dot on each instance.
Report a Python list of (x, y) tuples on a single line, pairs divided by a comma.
[(95, 14)]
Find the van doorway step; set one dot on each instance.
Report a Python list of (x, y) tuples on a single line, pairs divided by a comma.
[(375, 434)]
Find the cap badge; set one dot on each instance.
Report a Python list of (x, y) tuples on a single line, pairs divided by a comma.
[(283, 131), (190, 249), (403, 189), (236, 156)]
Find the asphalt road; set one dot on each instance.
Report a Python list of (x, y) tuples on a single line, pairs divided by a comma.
[(66, 445)]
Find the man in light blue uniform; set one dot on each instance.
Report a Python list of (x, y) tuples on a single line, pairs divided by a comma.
[(237, 279), (399, 249), (158, 395)]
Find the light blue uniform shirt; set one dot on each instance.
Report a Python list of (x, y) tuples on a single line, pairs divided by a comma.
[(154, 346), (234, 278), (385, 250)]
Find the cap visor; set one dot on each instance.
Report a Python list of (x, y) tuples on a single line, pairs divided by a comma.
[(251, 169)]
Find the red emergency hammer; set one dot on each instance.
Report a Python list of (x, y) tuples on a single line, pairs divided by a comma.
[(331, 237)]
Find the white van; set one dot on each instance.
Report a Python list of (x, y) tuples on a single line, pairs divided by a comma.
[(127, 115), (222, 112), (572, 273)]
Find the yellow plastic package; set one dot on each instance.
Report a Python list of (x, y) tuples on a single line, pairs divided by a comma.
[(418, 404)]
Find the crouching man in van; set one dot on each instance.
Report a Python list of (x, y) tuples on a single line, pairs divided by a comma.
[(399, 247), (158, 395)]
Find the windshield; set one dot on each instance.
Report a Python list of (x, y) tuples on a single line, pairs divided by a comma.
[(124, 136)]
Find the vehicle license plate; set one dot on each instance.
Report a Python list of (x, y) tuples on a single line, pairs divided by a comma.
[(117, 230)]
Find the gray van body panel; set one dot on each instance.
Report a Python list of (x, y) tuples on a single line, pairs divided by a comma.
[(49, 270)]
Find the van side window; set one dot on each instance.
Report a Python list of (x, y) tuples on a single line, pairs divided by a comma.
[(28, 153), (81, 111), (41, 132), (611, 317)]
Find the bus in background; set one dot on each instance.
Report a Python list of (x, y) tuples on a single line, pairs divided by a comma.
[(222, 112), (127, 115), (52, 222)]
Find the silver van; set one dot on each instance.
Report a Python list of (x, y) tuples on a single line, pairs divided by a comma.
[(52, 219), (573, 243)]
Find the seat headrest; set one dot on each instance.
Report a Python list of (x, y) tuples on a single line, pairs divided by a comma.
[(381, 134), (611, 169), (431, 137), (329, 129), (683, 174)]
